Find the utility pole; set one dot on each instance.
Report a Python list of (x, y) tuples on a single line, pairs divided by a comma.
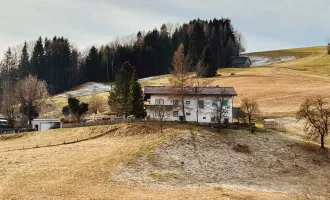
[(197, 90)]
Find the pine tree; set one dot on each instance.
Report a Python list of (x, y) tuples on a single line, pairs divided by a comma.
[(206, 66), (24, 63), (192, 54), (119, 100), (93, 65), (136, 99), (38, 60)]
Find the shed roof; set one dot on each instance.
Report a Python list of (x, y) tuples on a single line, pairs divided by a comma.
[(47, 119), (240, 60), (222, 91)]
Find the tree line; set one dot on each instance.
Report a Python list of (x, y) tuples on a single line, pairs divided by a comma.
[(62, 66)]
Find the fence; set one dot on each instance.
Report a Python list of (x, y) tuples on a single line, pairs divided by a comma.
[(274, 124), (4, 131), (101, 122)]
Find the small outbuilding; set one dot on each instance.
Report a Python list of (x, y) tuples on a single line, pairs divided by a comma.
[(240, 62), (43, 124)]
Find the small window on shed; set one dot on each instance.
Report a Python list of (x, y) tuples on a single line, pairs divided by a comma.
[(188, 102), (188, 114)]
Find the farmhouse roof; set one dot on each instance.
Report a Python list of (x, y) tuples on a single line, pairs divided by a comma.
[(240, 60), (223, 91)]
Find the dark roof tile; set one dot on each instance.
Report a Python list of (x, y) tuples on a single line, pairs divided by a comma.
[(225, 91)]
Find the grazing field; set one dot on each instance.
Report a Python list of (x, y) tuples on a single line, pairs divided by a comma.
[(135, 161), (278, 88)]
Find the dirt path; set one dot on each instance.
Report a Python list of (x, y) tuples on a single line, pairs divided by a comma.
[(263, 161)]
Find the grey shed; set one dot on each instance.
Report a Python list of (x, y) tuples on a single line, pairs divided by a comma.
[(240, 62)]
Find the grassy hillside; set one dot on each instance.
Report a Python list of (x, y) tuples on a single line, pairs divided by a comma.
[(135, 161), (279, 88), (92, 167)]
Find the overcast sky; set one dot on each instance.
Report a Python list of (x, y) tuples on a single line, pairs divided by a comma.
[(266, 24)]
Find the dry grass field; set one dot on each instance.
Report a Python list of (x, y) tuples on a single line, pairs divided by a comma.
[(279, 88), (90, 169), (136, 161)]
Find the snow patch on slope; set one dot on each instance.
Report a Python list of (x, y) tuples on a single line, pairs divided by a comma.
[(95, 88), (264, 60), (151, 78), (87, 89)]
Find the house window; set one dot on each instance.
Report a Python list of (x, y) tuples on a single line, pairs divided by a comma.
[(188, 102), (175, 114), (201, 104), (159, 102), (214, 103), (225, 102), (204, 117), (175, 102), (188, 114)]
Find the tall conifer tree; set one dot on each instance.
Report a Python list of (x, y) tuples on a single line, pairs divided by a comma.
[(119, 99), (136, 98), (24, 63)]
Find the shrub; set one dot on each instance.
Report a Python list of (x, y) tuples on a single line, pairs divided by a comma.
[(66, 111)]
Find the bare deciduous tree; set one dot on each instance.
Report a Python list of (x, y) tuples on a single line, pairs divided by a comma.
[(251, 108), (240, 41), (220, 109), (113, 51), (170, 29), (95, 103), (316, 114), (8, 68), (241, 116), (8, 106), (30, 47), (31, 91), (180, 75), (161, 112)]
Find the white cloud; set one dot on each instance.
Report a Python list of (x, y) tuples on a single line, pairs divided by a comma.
[(266, 24)]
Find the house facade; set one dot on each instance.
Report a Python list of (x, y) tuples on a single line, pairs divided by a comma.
[(202, 104)]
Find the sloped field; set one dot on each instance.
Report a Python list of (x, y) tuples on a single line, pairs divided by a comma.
[(235, 159), (136, 161)]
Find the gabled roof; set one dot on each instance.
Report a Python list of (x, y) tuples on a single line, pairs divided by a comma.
[(240, 60), (222, 91)]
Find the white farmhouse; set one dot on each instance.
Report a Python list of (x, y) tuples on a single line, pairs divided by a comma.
[(200, 103)]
